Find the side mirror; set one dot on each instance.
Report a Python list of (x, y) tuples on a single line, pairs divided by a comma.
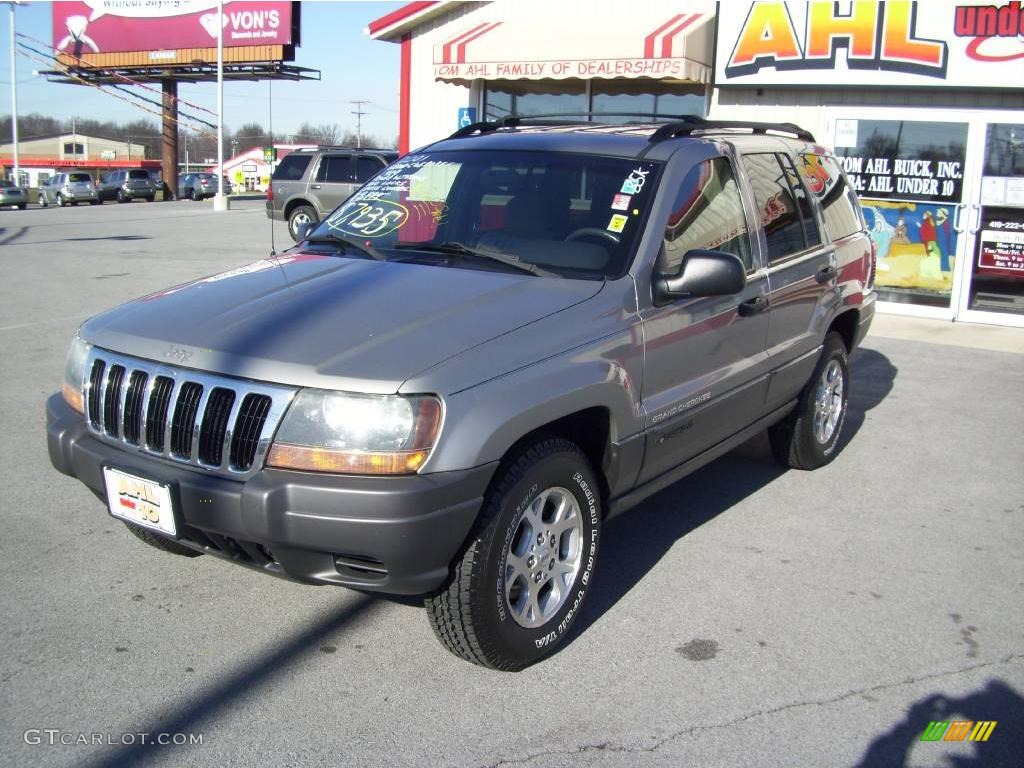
[(301, 230), (702, 273)]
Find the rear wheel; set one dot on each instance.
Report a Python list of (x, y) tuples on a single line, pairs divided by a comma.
[(60, 200), (303, 214), (808, 437), (94, 202), (517, 587), (151, 198), (196, 197), (167, 545), (22, 206)]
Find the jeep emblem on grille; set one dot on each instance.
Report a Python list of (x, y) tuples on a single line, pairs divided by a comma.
[(178, 353)]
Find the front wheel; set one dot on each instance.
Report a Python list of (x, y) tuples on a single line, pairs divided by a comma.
[(60, 201), (808, 437), (518, 585), (22, 206), (94, 202), (303, 214)]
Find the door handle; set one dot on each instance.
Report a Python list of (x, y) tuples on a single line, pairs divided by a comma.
[(314, 186), (753, 306), (826, 273), (958, 226), (975, 208)]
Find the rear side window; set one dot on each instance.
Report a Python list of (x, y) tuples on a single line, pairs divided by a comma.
[(335, 168), (824, 177), (785, 208), (707, 215), (292, 167), (366, 167)]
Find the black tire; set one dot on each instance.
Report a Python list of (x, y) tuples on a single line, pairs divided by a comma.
[(22, 206), (795, 441), (196, 197), (478, 622), (120, 197), (301, 214), (99, 201), (151, 198), (94, 202), (158, 541), (60, 201)]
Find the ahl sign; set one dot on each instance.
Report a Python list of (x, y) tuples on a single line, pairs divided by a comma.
[(872, 43)]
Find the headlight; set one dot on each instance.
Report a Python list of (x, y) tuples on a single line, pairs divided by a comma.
[(74, 373), (356, 434)]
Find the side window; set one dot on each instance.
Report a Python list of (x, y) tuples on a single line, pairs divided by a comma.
[(335, 168), (825, 178), (783, 206), (292, 167), (803, 202), (366, 167), (708, 215)]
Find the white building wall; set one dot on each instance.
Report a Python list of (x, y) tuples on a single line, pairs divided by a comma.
[(434, 105), (812, 108)]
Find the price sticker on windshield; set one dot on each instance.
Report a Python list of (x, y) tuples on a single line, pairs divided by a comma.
[(369, 218)]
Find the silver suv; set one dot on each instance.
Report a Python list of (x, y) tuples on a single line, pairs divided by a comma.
[(68, 189), (499, 342), (310, 183)]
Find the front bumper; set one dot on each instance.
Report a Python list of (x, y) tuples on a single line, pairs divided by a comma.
[(382, 534)]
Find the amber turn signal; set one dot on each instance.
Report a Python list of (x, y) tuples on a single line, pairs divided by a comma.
[(286, 456)]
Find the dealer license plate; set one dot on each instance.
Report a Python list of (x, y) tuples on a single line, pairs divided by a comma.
[(140, 501)]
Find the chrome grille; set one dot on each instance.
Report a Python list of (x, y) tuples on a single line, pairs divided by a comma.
[(209, 421)]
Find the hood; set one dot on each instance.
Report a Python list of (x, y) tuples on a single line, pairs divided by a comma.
[(308, 319)]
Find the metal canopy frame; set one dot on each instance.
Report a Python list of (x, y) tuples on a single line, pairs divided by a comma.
[(196, 72)]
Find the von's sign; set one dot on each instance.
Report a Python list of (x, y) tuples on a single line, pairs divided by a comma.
[(871, 43)]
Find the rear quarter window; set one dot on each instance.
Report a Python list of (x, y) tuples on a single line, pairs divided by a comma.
[(292, 167)]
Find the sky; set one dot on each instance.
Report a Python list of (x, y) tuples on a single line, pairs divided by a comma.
[(352, 67)]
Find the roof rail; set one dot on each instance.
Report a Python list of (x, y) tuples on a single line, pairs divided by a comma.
[(558, 118), (693, 125)]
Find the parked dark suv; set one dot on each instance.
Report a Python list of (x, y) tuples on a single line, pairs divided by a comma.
[(126, 185), (310, 183), (499, 342)]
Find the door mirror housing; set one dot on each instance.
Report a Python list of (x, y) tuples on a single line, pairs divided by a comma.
[(702, 273)]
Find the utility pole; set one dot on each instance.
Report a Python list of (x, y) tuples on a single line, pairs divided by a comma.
[(358, 112), (14, 102)]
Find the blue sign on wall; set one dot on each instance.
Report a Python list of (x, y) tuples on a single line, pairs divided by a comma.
[(467, 116)]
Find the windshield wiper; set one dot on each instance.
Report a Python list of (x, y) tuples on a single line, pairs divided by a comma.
[(453, 248), (369, 250)]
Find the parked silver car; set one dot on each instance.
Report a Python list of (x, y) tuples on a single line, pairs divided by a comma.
[(12, 194), (126, 185), (68, 188), (197, 186)]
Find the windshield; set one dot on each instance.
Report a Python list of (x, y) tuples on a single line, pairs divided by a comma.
[(79, 177), (574, 215)]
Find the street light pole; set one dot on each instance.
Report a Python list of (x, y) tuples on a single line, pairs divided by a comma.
[(220, 202), (14, 103)]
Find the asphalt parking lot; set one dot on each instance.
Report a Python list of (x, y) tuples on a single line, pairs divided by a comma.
[(746, 616)]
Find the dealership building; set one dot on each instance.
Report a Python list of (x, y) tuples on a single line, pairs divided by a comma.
[(923, 102)]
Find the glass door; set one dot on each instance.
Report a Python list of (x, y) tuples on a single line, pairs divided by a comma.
[(910, 177), (992, 284)]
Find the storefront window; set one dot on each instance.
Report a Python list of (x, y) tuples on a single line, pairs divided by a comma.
[(534, 97), (646, 97), (909, 176), (636, 97)]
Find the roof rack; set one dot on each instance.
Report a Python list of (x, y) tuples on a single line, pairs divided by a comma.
[(678, 125), (693, 125), (321, 147)]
